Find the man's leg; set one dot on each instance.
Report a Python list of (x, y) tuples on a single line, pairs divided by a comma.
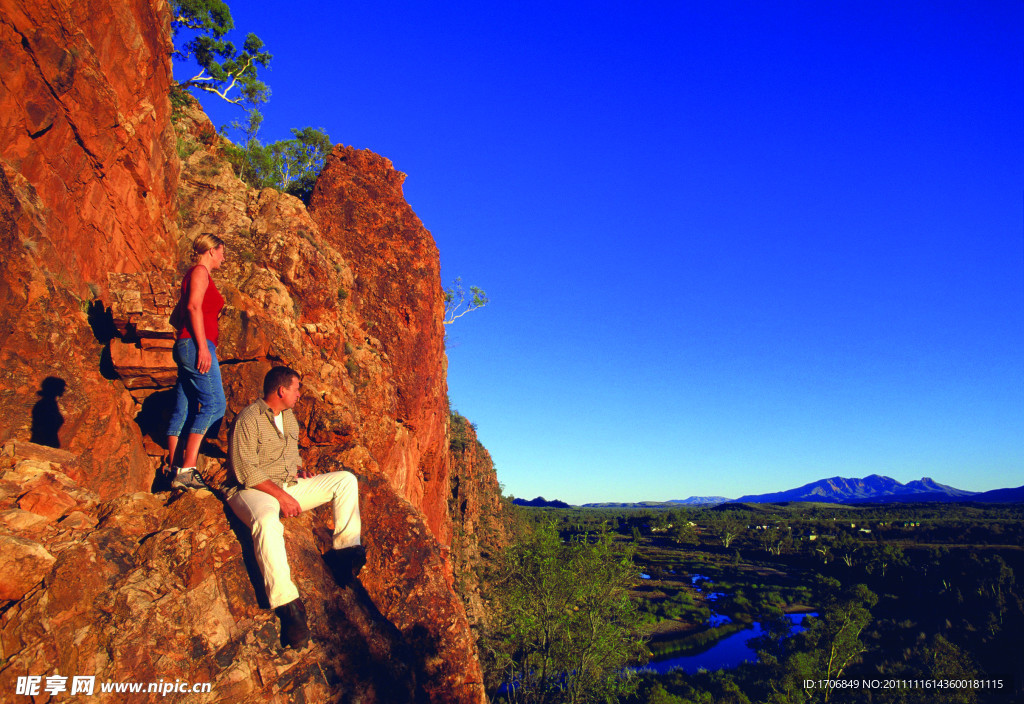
[(340, 488), (261, 512)]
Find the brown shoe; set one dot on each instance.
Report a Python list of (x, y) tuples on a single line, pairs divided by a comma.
[(346, 563), (294, 631)]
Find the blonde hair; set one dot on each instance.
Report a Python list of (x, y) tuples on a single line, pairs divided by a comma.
[(204, 243)]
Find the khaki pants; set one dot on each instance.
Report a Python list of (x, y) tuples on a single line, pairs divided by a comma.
[(262, 513)]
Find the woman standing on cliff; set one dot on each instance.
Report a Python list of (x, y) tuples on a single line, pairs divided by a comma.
[(199, 394)]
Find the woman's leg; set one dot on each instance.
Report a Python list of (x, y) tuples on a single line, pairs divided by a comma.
[(209, 394), (183, 349), (190, 456), (172, 450)]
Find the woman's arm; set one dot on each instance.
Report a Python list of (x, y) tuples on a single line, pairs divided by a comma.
[(198, 282)]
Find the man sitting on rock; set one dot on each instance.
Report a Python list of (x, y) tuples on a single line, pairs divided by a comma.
[(265, 457)]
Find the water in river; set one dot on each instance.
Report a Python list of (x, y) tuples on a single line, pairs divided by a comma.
[(726, 653)]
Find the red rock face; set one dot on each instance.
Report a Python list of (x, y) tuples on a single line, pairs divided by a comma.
[(99, 153), (477, 509), (407, 576), (89, 174), (359, 206)]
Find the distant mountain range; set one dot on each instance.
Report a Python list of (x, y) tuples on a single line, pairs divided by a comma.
[(541, 502), (1001, 496), (872, 489), (692, 501), (839, 490), (700, 500)]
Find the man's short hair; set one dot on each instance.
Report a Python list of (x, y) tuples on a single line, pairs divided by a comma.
[(277, 378)]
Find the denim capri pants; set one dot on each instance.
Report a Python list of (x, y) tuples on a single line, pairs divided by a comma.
[(198, 398)]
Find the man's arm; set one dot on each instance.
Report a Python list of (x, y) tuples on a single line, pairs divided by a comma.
[(244, 441), (291, 425), (289, 506)]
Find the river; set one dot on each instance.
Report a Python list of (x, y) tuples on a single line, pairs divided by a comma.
[(726, 653), (723, 655)]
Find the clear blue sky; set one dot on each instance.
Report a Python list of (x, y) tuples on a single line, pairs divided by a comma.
[(730, 247)]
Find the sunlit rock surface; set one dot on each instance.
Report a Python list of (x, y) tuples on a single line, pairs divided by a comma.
[(106, 573)]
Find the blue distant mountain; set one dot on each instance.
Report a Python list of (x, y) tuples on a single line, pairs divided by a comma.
[(872, 489), (1001, 496), (837, 490), (692, 501), (541, 502), (701, 501)]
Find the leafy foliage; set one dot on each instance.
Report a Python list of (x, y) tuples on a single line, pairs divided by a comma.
[(828, 647), (563, 625), (223, 66), (458, 303), (302, 160), (729, 527), (290, 165), (459, 434)]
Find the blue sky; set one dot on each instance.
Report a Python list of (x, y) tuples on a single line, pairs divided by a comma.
[(730, 248)]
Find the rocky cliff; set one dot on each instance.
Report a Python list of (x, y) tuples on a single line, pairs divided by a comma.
[(89, 183), (107, 574), (483, 524)]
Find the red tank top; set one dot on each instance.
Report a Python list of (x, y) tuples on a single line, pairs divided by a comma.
[(212, 304)]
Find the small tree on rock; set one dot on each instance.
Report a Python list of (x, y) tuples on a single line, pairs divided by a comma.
[(302, 160), (458, 303)]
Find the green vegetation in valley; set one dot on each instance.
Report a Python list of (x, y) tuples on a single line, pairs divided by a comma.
[(921, 592), (563, 626)]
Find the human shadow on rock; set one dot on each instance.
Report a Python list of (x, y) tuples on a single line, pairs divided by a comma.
[(46, 416), (101, 320)]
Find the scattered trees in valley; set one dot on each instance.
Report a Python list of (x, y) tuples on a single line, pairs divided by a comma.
[(729, 528), (825, 650)]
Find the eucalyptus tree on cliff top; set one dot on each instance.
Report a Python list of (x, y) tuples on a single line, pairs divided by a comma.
[(223, 67), (289, 165)]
